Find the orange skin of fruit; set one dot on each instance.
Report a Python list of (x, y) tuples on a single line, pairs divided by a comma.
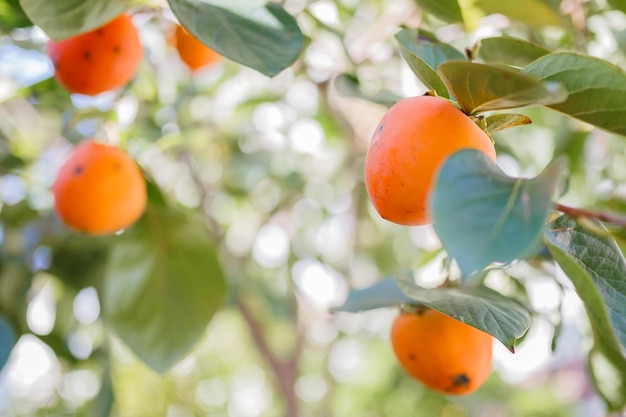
[(444, 354), (99, 189), (194, 53), (409, 146), (100, 60)]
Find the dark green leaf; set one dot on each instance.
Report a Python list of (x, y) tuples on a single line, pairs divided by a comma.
[(596, 88), (534, 12), (384, 293), (510, 51), (596, 267), (481, 87), (348, 85), (482, 216), (163, 284), (63, 19), (256, 34), (12, 16), (480, 307), (501, 121), (424, 53), (446, 10), (7, 340), (618, 5)]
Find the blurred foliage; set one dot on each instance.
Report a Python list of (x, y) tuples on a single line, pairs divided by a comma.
[(272, 167)]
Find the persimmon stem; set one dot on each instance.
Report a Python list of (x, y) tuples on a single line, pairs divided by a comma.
[(592, 214)]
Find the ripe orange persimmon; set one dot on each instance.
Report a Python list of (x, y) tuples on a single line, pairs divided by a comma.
[(444, 354), (193, 52), (100, 60), (410, 144), (99, 189)]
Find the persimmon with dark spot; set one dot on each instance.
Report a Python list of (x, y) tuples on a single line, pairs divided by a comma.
[(99, 60), (441, 352), (99, 189)]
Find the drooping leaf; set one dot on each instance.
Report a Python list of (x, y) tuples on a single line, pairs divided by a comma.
[(596, 88), (483, 216), (424, 53), (480, 307), (63, 19), (596, 268), (7, 340), (501, 121), (535, 13), (510, 51), (446, 10), (163, 284), (257, 34), (348, 85), (384, 293), (482, 87)]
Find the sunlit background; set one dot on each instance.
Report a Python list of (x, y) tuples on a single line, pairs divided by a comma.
[(275, 165)]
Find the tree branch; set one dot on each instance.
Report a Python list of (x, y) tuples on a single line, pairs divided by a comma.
[(602, 216)]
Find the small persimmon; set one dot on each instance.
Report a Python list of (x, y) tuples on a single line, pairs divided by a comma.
[(444, 354), (194, 53), (99, 189), (411, 142), (99, 60)]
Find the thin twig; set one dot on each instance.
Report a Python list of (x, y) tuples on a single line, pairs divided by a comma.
[(592, 214)]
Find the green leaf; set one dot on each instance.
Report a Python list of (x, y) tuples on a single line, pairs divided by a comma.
[(596, 88), (162, 286), (67, 18), (384, 293), (12, 16), (535, 13), (596, 266), (480, 307), (446, 10), (510, 51), (482, 87), (482, 215), (424, 53), (348, 85), (618, 5), (502, 121), (256, 34), (7, 340)]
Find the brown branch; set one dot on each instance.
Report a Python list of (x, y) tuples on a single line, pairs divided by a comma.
[(592, 214), (285, 370)]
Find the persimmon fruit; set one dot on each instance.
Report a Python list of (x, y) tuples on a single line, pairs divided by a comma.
[(99, 189), (99, 60), (409, 146), (194, 53), (443, 353)]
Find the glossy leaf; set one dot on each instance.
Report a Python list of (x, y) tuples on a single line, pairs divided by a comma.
[(483, 216), (510, 51), (348, 86), (162, 286), (424, 53), (596, 88), (257, 34), (534, 12), (63, 19), (385, 293), (480, 307), (7, 340), (596, 266), (446, 10), (481, 87), (502, 121)]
